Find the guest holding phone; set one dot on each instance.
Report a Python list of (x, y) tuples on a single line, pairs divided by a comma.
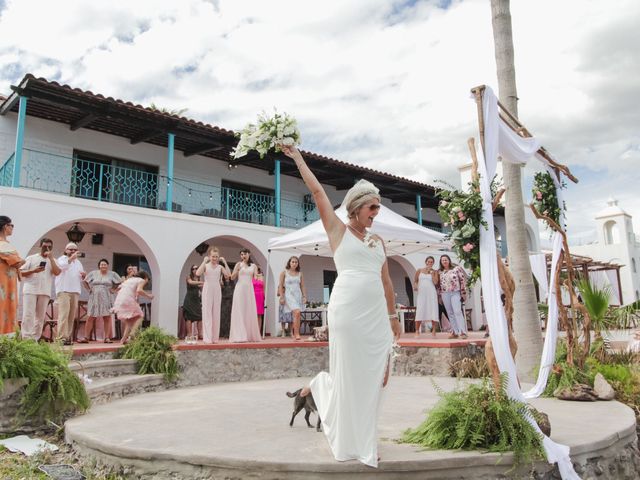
[(68, 288), (38, 273)]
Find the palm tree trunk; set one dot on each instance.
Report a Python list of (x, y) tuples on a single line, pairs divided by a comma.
[(526, 324)]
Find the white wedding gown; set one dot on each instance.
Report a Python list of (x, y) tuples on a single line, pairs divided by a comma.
[(360, 340)]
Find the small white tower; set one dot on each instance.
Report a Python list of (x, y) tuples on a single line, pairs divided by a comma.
[(617, 243), (614, 225)]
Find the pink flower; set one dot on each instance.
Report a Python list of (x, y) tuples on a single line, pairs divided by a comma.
[(443, 203), (539, 195), (446, 224), (461, 216), (468, 247)]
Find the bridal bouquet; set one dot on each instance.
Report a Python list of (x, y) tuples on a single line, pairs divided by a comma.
[(268, 133)]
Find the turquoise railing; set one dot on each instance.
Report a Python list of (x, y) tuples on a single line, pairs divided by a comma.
[(112, 183), (6, 172), (106, 182)]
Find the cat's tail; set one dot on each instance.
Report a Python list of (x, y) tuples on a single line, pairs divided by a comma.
[(294, 394)]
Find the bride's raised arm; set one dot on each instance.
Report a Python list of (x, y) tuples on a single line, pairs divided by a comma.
[(334, 227)]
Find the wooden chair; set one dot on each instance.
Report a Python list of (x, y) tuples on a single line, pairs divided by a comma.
[(308, 320), (409, 319), (81, 318), (50, 322)]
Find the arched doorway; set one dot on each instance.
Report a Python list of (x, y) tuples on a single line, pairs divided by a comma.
[(229, 247), (102, 239)]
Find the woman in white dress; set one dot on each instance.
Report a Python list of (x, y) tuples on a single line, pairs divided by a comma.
[(292, 294), (425, 282), (362, 322)]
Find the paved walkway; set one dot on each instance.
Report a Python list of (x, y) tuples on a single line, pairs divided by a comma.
[(225, 427)]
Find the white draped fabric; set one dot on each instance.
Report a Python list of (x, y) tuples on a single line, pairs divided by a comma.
[(551, 332), (538, 263), (615, 288), (500, 140)]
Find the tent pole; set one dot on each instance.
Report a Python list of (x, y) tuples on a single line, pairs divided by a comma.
[(266, 303)]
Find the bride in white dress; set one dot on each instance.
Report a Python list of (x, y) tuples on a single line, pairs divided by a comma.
[(362, 322)]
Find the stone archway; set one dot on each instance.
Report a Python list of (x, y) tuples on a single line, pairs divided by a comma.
[(104, 239), (229, 246)]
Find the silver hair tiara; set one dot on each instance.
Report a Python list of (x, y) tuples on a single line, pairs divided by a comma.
[(360, 189)]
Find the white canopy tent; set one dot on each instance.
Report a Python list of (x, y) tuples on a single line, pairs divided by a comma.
[(401, 236)]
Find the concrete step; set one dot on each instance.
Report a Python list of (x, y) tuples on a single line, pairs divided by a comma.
[(103, 390), (103, 368)]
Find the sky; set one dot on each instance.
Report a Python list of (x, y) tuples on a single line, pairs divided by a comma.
[(379, 83)]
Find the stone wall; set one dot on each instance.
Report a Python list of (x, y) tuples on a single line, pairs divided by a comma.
[(204, 366), (200, 367)]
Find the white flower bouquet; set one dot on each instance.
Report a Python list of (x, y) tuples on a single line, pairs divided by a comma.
[(268, 133)]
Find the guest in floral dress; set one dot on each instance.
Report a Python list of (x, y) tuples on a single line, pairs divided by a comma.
[(100, 284), (453, 289), (10, 262), (126, 305)]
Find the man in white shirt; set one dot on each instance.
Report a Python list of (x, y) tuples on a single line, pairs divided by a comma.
[(38, 273), (68, 288)]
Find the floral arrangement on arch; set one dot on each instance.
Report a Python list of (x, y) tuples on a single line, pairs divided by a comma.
[(268, 133), (545, 199), (462, 212)]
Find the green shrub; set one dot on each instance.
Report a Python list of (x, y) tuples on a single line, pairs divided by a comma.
[(475, 418), (53, 389), (564, 375), (152, 348)]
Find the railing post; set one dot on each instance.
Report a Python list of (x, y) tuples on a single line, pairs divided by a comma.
[(419, 208), (170, 142), (227, 199), (100, 182), (17, 159), (276, 174)]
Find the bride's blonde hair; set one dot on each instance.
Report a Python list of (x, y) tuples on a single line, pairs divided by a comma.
[(362, 192)]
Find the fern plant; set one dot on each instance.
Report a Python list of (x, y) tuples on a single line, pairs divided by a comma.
[(53, 390), (153, 350), (475, 418)]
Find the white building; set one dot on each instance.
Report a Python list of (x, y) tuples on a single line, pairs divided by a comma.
[(149, 187), (616, 242)]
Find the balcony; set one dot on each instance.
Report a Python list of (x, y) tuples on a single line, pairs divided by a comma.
[(105, 182)]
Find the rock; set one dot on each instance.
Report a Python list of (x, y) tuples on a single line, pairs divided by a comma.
[(603, 389), (578, 392), (542, 419)]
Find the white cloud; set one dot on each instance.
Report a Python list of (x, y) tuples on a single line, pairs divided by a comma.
[(379, 83)]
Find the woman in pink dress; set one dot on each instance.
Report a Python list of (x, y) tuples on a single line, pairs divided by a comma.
[(258, 290), (211, 271), (243, 309), (126, 305)]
